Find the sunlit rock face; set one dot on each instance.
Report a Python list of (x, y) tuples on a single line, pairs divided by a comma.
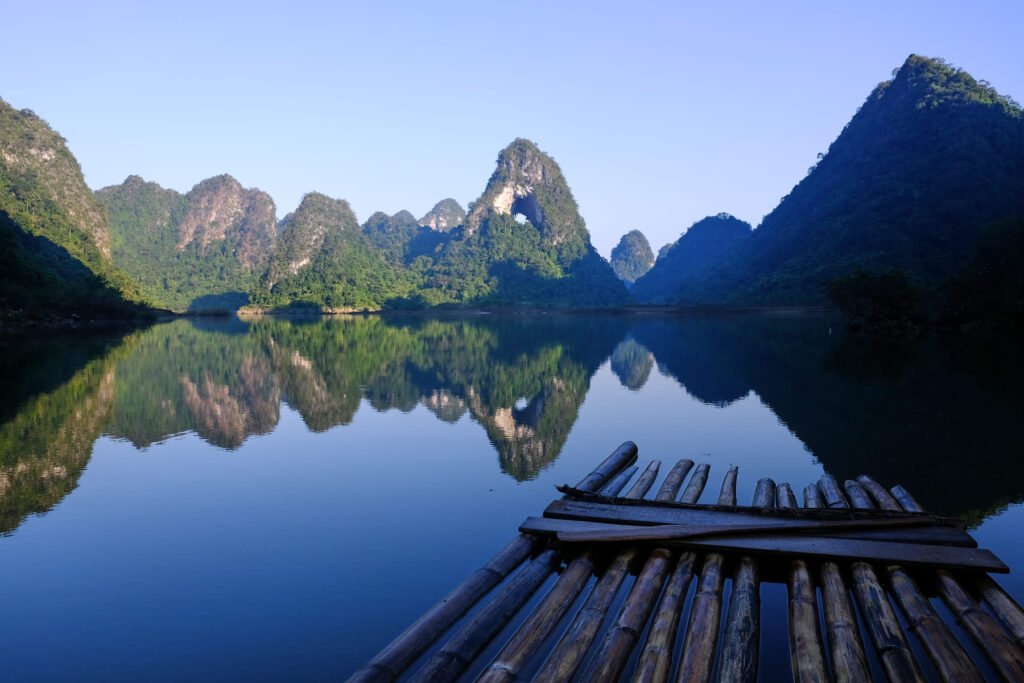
[(186, 249), (33, 155), (523, 171), (445, 215), (220, 209), (225, 415)]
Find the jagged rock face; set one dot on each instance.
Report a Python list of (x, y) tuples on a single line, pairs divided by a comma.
[(219, 209), (34, 159), (205, 249), (445, 215), (632, 257), (304, 231), (226, 415), (700, 250), (529, 182)]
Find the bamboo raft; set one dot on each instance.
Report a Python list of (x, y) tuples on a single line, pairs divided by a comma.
[(877, 589)]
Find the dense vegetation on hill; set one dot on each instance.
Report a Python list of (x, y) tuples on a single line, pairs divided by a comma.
[(493, 260), (924, 183), (324, 260), (692, 260), (930, 160), (54, 239), (204, 249), (632, 257)]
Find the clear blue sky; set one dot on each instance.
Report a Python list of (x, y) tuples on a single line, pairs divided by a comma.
[(659, 113)]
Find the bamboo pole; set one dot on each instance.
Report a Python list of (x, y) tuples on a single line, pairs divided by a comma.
[(812, 497), (458, 653), (538, 626), (786, 497), (727, 496), (806, 655), (883, 627), (906, 500), (411, 643), (849, 664), (997, 644), (656, 657), (880, 619), (702, 628), (699, 479), (572, 649), (619, 482), (674, 480), (857, 495), (1005, 607), (644, 481), (883, 499), (698, 659), (613, 653), (943, 649), (741, 641), (831, 492)]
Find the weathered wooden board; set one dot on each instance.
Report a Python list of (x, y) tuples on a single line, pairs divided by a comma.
[(654, 515), (910, 554)]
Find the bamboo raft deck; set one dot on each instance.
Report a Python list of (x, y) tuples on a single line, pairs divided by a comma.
[(877, 589)]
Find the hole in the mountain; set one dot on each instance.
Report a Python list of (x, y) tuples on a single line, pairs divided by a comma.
[(526, 209)]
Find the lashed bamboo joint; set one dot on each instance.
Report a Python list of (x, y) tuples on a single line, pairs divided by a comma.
[(854, 538)]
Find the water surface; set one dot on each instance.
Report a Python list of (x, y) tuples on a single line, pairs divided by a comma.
[(226, 500)]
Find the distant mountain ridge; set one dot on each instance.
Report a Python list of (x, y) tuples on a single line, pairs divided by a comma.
[(930, 161), (925, 170)]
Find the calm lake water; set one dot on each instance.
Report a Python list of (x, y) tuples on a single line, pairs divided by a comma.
[(276, 500)]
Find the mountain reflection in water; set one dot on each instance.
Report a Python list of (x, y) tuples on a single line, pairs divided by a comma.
[(939, 416)]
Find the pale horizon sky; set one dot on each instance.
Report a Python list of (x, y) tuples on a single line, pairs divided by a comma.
[(658, 114)]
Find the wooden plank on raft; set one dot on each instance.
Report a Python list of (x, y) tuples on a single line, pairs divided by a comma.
[(914, 554), (654, 515)]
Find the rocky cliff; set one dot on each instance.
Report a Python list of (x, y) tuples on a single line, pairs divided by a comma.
[(445, 215)]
